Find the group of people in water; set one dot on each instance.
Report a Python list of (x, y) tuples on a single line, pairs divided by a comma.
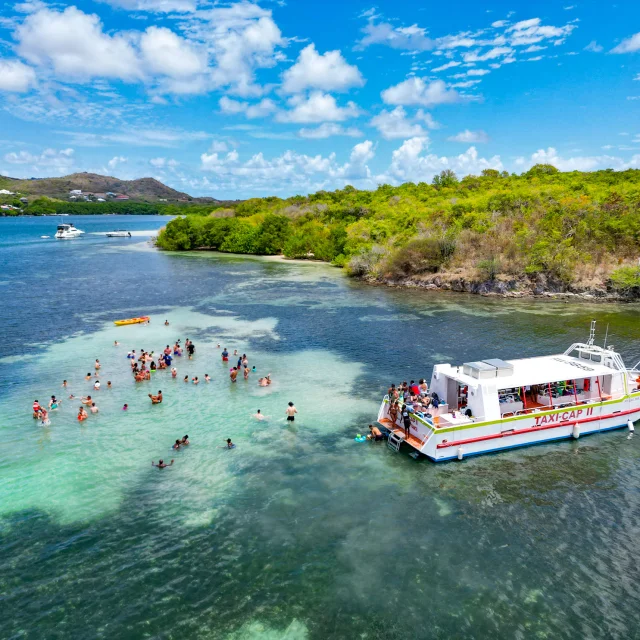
[(145, 363)]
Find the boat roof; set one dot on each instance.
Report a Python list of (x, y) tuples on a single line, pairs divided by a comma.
[(539, 370)]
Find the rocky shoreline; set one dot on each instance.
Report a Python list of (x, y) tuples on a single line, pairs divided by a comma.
[(538, 286)]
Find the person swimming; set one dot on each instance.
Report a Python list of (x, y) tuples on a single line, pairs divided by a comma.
[(161, 464), (109, 384), (88, 376), (166, 323), (86, 400), (156, 399), (53, 403), (97, 364), (64, 384), (116, 343), (253, 369), (96, 385), (259, 415), (82, 414), (125, 407), (94, 409), (225, 355), (195, 380), (185, 379), (207, 378), (185, 441), (233, 374), (177, 444), (174, 372), (230, 444)]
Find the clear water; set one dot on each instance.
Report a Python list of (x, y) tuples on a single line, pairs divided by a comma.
[(298, 532)]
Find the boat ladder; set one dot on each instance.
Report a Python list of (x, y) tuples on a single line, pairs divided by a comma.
[(395, 441)]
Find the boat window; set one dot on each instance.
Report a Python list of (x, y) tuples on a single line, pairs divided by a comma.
[(596, 357)]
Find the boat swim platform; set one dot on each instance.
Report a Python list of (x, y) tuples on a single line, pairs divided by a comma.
[(399, 431)]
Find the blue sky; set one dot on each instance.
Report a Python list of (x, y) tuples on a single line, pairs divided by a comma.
[(245, 99)]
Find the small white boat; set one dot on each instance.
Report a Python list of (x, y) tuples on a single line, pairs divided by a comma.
[(119, 233), (45, 237), (496, 405), (67, 232)]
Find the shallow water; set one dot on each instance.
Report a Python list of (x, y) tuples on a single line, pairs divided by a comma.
[(298, 532)]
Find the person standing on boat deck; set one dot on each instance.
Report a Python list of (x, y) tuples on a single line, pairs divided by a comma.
[(393, 412), (406, 419), (423, 387)]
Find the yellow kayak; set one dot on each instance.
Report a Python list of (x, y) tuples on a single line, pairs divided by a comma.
[(131, 321)]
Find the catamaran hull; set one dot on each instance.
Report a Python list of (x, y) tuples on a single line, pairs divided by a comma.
[(451, 443)]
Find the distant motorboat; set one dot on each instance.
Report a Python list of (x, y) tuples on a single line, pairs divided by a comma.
[(68, 232), (45, 237), (119, 233)]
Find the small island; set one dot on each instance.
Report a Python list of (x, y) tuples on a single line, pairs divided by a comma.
[(541, 233)]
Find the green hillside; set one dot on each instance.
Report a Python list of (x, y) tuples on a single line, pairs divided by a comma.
[(560, 230)]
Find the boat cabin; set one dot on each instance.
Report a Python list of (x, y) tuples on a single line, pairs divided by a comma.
[(494, 389)]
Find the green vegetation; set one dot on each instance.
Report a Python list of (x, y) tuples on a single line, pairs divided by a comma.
[(570, 227)]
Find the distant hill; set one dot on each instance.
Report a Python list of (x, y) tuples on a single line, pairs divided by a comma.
[(142, 190)]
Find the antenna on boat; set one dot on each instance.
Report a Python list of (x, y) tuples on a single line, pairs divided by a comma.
[(592, 333), (606, 335)]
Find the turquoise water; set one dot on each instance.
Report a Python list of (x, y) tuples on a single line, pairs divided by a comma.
[(297, 532)]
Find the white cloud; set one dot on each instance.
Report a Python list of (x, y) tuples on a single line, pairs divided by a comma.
[(628, 45), (168, 54), (156, 6), (241, 37), (291, 170), (533, 48), (469, 137), (395, 124), (534, 59), (16, 76), (491, 54), (318, 107), (219, 146), (327, 130), (261, 109), (415, 91), (528, 32), (448, 65), (143, 137), (162, 163), (48, 162), (328, 72), (409, 162), (115, 161), (594, 47), (578, 163), (478, 72), (75, 46), (413, 38), (498, 24)]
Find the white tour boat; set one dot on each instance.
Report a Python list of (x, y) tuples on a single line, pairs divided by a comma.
[(67, 232), (495, 405), (119, 233)]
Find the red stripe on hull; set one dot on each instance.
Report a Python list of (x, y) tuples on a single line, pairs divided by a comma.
[(506, 434)]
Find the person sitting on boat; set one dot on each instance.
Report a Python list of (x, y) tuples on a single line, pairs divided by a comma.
[(156, 399), (423, 387), (375, 434)]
